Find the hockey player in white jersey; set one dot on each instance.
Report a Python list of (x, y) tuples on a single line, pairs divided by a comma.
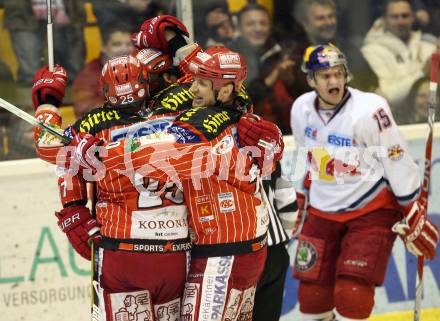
[(364, 185)]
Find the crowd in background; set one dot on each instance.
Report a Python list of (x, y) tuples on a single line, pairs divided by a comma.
[(388, 44)]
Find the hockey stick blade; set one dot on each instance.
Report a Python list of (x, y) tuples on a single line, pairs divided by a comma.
[(32, 120)]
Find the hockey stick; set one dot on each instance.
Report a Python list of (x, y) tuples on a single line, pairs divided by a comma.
[(50, 57), (433, 83), (33, 121)]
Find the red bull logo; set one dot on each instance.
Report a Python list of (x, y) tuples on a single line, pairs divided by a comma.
[(329, 168)]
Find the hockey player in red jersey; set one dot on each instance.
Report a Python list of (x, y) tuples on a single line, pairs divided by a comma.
[(227, 217), (364, 186), (142, 232)]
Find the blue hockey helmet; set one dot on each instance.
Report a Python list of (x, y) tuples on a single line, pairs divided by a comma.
[(322, 57)]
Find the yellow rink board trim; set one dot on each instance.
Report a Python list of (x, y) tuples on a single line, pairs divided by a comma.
[(432, 314)]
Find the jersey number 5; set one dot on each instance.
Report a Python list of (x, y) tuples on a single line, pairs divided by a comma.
[(383, 120)]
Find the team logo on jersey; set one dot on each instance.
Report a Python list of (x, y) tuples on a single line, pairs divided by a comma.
[(224, 146), (306, 256), (226, 202), (311, 132), (395, 152), (141, 129), (328, 168)]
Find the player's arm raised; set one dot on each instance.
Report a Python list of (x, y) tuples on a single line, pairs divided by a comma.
[(47, 95)]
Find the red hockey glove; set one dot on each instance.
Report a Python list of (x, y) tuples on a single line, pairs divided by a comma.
[(49, 84), (152, 33), (417, 231), (86, 149), (80, 228), (266, 136)]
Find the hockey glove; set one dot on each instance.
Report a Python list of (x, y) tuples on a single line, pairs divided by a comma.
[(418, 233), (86, 150), (80, 227), (266, 136), (152, 33), (49, 86)]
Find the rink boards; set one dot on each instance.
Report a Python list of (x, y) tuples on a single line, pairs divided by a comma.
[(41, 278)]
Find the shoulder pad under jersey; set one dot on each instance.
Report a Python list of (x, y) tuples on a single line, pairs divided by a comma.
[(210, 121)]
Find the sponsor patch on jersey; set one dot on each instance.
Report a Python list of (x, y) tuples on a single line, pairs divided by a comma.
[(311, 132), (306, 256), (339, 140), (173, 98), (141, 129), (203, 204), (395, 152), (226, 202), (99, 119), (224, 146), (183, 135)]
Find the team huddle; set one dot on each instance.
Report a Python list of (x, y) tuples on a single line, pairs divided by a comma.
[(174, 171)]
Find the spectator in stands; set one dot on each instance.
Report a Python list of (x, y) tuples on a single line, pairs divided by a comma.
[(415, 109), (320, 22), (269, 67), (219, 27), (86, 91), (26, 21), (134, 12), (433, 22), (396, 52)]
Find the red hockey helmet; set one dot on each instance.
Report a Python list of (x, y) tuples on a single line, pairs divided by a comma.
[(156, 63), (124, 82), (220, 65)]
